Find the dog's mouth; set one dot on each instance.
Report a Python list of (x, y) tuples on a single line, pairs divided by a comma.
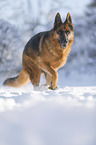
[(64, 44)]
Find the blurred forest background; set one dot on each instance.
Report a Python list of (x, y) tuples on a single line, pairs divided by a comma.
[(21, 19)]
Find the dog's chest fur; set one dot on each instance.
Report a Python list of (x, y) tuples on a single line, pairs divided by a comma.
[(54, 55), (61, 60)]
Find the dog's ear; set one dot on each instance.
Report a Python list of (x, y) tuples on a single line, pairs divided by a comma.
[(58, 21), (68, 18)]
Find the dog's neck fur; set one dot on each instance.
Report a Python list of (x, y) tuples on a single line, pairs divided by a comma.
[(52, 47)]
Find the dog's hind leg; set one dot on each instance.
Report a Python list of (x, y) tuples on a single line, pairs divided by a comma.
[(48, 79), (35, 75)]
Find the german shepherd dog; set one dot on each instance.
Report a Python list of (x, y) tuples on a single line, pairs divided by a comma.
[(45, 52)]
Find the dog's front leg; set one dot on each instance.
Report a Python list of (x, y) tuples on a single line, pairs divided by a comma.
[(54, 81), (54, 75)]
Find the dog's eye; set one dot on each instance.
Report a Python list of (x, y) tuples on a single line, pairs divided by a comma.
[(60, 32)]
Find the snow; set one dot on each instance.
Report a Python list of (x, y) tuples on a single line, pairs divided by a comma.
[(11, 99), (38, 116), (79, 91), (47, 117)]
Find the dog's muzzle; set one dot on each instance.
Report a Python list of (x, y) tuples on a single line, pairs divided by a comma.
[(64, 43)]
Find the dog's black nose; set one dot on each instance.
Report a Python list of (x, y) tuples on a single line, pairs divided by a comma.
[(64, 43)]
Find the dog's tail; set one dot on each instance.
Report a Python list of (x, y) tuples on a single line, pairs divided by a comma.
[(18, 81)]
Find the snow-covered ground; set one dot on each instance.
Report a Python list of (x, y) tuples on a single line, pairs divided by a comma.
[(42, 117), (66, 116)]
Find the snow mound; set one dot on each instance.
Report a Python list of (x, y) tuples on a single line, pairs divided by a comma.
[(11, 98)]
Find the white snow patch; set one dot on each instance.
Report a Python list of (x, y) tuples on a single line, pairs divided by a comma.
[(25, 98)]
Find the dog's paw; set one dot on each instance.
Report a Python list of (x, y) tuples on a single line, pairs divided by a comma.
[(51, 88)]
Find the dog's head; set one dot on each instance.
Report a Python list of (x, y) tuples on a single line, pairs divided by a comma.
[(63, 31)]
